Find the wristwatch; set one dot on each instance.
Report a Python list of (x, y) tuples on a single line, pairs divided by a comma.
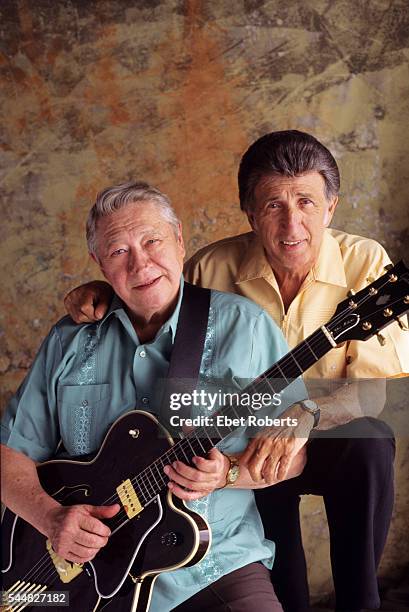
[(313, 408), (233, 472)]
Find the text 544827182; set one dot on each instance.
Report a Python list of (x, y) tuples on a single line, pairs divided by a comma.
[(46, 598)]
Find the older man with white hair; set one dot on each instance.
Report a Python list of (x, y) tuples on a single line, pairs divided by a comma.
[(84, 377)]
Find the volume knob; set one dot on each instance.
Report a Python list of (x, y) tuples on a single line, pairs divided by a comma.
[(169, 538)]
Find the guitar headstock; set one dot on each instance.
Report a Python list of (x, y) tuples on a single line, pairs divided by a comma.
[(365, 313)]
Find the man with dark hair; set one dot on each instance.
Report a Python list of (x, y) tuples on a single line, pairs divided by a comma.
[(298, 270)]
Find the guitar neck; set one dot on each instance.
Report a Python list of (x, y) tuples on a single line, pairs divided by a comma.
[(200, 441)]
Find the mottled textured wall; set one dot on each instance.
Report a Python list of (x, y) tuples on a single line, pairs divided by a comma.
[(95, 92)]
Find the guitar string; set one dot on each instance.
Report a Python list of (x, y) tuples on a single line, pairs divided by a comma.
[(262, 379), (43, 572), (36, 572)]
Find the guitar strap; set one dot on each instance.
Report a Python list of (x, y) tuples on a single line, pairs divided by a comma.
[(187, 349)]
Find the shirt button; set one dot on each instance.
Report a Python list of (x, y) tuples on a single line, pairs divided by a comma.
[(85, 403), (142, 354), (145, 400)]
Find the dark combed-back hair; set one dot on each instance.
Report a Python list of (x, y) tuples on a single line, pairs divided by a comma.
[(285, 153)]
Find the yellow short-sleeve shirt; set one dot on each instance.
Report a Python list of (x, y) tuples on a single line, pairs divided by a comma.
[(239, 265)]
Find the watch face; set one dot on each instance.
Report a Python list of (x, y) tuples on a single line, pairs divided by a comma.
[(310, 405), (233, 473)]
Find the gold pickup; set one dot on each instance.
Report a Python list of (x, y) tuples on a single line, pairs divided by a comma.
[(129, 499)]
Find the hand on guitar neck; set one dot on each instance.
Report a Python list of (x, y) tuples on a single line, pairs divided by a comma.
[(190, 483)]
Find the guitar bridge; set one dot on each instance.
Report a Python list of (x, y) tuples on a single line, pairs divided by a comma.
[(129, 499), (66, 570)]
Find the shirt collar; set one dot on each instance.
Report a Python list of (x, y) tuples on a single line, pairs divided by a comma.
[(117, 308), (330, 266), (328, 269)]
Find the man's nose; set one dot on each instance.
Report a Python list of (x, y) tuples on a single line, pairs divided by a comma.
[(291, 218), (137, 260)]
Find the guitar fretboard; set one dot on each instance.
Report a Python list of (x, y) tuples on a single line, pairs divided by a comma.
[(152, 480)]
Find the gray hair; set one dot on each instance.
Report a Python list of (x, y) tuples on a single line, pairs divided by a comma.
[(286, 153), (116, 197)]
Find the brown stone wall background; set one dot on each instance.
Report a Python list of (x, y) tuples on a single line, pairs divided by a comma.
[(94, 92)]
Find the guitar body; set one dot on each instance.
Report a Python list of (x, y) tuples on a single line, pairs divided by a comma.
[(165, 535)]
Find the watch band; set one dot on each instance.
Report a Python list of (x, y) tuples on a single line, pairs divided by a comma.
[(313, 408)]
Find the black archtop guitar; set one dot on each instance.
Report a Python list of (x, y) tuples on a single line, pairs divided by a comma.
[(155, 532)]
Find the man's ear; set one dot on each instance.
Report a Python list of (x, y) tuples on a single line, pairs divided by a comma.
[(180, 240), (94, 257), (329, 213)]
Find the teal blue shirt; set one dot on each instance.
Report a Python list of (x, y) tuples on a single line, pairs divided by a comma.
[(85, 376)]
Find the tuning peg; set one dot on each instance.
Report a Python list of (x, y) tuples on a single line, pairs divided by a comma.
[(402, 325), (351, 293), (381, 339), (388, 267)]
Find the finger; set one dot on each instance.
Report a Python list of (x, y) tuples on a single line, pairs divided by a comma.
[(100, 310), (88, 311), (208, 465), (256, 446), (199, 482), (90, 540), (70, 556), (186, 495), (80, 317), (255, 466), (93, 526), (184, 470), (256, 462), (68, 545), (105, 511), (284, 465), (76, 555), (75, 312), (90, 522), (215, 455), (269, 469), (268, 472), (85, 544)]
